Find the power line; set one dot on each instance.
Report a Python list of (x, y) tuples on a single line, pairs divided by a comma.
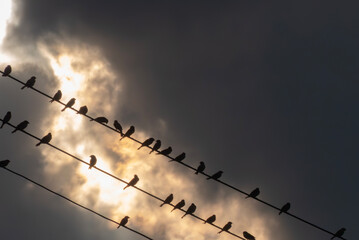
[(73, 202), (119, 179), (188, 166)]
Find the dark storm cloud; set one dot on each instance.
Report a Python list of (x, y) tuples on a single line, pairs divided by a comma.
[(264, 92)]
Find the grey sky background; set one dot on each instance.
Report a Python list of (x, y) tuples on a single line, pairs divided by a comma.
[(266, 92)]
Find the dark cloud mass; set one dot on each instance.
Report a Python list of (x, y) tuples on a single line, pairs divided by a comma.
[(266, 92)]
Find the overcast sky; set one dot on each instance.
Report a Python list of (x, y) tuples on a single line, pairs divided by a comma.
[(265, 92)]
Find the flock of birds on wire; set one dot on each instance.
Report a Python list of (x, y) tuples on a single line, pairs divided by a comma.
[(147, 143)]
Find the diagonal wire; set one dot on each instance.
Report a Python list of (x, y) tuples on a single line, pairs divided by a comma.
[(73, 202), (186, 165), (117, 178)]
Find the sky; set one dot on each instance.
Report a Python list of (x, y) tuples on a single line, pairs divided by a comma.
[(264, 91)]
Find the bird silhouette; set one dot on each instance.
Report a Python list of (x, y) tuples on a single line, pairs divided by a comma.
[(216, 176), (30, 82), (156, 146), (200, 168), (69, 104), (179, 158), (83, 110), (93, 161), (123, 221), (133, 182), (191, 209), (254, 193), (165, 152), (4, 163), (285, 208), (57, 96), (146, 143), (6, 119), (100, 120), (248, 236), (210, 220), (118, 127), (226, 227), (179, 205), (168, 200), (46, 139), (7, 71), (21, 126), (129, 132), (339, 233)]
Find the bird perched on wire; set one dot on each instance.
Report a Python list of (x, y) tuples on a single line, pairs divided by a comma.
[(179, 158), (129, 132), (156, 146), (83, 110), (7, 71), (123, 221), (179, 205), (339, 233), (254, 193), (146, 143), (6, 119), (118, 127), (30, 82), (46, 139), (21, 126), (168, 200), (248, 236), (165, 152), (100, 120), (200, 168), (216, 176), (133, 182), (191, 209), (4, 163), (69, 104), (285, 208), (93, 161), (57, 96), (226, 227), (210, 220)]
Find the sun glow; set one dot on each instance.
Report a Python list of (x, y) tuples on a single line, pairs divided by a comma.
[(5, 17)]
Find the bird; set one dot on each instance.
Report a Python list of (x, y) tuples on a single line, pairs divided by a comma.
[(123, 221), (30, 82), (46, 139), (190, 210), (165, 151), (339, 233), (133, 182), (4, 163), (57, 96), (179, 205), (7, 71), (69, 104), (156, 146), (118, 127), (210, 220), (168, 200), (226, 227), (21, 126), (93, 161), (248, 236), (129, 132), (254, 193), (200, 168), (216, 175), (285, 208), (83, 110), (179, 158), (6, 119), (146, 143), (100, 120)]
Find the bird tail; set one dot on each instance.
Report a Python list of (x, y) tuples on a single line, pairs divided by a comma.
[(63, 109), (14, 131), (151, 151), (173, 209), (196, 172), (220, 231), (91, 120), (38, 144), (23, 87), (2, 124), (90, 167), (3, 74), (125, 187), (122, 137), (184, 215), (162, 204), (246, 197), (51, 100), (205, 222), (208, 178), (280, 213), (118, 226), (171, 160), (139, 148)]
